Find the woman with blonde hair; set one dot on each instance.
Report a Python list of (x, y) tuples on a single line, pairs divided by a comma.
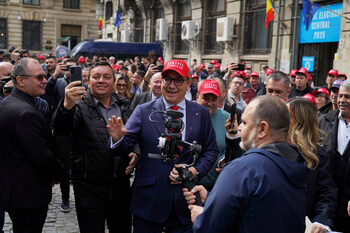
[(321, 190), (123, 87)]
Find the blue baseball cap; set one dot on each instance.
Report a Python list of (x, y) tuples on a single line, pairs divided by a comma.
[(337, 83)]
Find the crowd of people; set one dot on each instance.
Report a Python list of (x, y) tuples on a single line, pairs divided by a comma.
[(274, 149)]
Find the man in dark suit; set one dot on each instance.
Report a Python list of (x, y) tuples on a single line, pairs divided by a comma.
[(28, 164), (154, 92), (157, 201), (336, 125)]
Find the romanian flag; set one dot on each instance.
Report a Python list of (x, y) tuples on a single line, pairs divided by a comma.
[(270, 10), (100, 22)]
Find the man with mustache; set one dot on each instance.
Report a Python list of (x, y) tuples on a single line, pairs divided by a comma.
[(337, 144), (264, 190)]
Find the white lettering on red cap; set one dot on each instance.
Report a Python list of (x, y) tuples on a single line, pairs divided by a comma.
[(175, 64)]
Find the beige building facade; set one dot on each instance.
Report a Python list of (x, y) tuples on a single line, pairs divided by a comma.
[(37, 25), (248, 42)]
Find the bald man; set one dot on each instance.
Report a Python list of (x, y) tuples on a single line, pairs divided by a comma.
[(5, 70)]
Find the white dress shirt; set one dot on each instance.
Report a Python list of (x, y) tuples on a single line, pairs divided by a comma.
[(343, 134)]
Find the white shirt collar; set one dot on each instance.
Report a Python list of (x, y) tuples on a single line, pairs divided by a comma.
[(182, 104)]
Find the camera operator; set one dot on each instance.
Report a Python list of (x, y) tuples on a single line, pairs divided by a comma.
[(157, 201), (264, 190), (101, 187)]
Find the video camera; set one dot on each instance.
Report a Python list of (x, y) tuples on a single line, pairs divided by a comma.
[(171, 144)]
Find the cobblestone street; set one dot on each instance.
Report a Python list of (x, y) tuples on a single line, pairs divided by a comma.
[(56, 221)]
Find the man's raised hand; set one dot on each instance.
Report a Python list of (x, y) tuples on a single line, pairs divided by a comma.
[(73, 92), (116, 128)]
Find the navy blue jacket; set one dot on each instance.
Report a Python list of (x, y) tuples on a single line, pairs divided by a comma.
[(258, 192), (154, 197)]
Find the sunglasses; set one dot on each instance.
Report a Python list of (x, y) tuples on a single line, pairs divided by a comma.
[(39, 77)]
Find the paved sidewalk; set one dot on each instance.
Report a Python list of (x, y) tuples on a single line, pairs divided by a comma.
[(56, 221)]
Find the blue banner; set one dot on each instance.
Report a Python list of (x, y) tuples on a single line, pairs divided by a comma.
[(308, 63), (324, 27)]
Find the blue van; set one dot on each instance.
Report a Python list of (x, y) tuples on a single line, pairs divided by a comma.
[(120, 50)]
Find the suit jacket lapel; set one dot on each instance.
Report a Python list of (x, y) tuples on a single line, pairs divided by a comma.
[(149, 96), (158, 106)]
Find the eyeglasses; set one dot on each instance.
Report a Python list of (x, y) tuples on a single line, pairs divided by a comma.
[(178, 82), (39, 77), (121, 85)]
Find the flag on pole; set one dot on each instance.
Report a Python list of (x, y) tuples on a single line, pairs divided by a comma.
[(100, 22), (117, 19), (270, 10), (309, 12)]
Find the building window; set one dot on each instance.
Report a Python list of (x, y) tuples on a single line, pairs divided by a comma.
[(72, 31), (72, 4), (109, 11), (138, 26), (183, 13), (3, 33), (31, 2), (158, 13), (257, 39), (31, 35), (215, 9)]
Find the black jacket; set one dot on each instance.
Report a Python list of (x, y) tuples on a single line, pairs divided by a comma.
[(141, 98), (28, 161), (329, 123), (92, 158), (325, 109), (294, 92), (321, 192)]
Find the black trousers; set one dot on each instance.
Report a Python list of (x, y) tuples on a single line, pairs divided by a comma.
[(63, 142), (2, 220), (342, 224), (96, 204), (27, 220)]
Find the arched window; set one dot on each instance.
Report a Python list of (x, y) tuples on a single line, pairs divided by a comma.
[(138, 26), (183, 12), (109, 11), (157, 13), (214, 9)]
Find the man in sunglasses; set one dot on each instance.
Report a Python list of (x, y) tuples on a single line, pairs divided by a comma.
[(157, 201), (28, 163)]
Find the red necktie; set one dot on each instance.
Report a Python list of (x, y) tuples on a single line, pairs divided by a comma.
[(175, 107)]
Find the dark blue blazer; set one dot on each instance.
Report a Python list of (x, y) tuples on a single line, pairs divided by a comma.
[(154, 198)]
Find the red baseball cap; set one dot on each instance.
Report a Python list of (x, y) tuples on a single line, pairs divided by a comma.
[(119, 66), (195, 76), (256, 74), (302, 71), (320, 90), (333, 72), (209, 86), (293, 72), (81, 60), (268, 71), (202, 66), (179, 66), (309, 77), (114, 67), (160, 59), (310, 97), (239, 73), (344, 75), (217, 66), (213, 62)]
